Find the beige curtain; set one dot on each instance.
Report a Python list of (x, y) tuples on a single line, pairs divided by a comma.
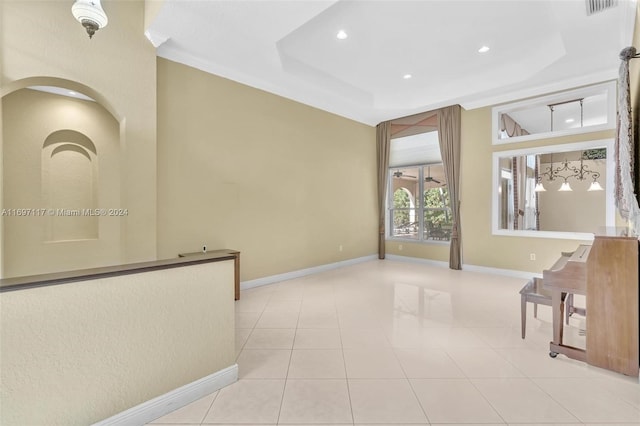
[(383, 141), (520, 187), (449, 138), (511, 126)]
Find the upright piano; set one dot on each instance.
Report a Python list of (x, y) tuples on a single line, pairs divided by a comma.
[(607, 274)]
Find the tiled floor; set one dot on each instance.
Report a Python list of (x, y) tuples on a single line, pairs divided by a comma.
[(387, 342)]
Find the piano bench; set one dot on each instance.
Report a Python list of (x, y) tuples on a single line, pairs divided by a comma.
[(532, 292)]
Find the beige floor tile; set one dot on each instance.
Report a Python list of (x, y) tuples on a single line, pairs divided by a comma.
[(278, 320), (283, 305), (503, 337), (453, 401), (242, 334), (311, 338), (519, 400), (558, 424), (454, 337), (316, 401), (372, 364), (353, 319), (193, 413), (384, 401), (483, 362), (263, 363), (591, 399), (398, 424), (624, 387), (355, 338), (317, 364), (251, 303), (246, 319), (247, 401), (319, 301), (537, 363), (405, 337), (318, 319), (427, 364), (402, 320), (267, 338)]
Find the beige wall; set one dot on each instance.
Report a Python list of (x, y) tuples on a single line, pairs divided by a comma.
[(36, 244), (117, 67), (81, 352), (284, 183)]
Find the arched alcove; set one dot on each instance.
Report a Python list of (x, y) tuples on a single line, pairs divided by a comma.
[(69, 186), (61, 157)]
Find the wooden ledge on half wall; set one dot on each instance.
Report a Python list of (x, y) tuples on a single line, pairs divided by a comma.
[(222, 252), (59, 278)]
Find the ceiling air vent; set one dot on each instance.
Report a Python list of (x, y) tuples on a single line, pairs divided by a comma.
[(595, 6)]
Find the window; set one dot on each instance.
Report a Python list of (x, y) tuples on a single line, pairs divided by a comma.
[(418, 197), (583, 110), (419, 208)]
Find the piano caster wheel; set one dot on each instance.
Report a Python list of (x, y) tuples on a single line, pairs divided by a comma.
[(553, 354)]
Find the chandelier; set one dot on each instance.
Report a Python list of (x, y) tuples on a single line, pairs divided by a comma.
[(90, 14), (565, 172)]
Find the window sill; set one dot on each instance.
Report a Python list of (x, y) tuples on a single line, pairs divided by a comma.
[(424, 242)]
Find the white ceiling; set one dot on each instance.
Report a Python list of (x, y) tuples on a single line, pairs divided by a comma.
[(289, 47)]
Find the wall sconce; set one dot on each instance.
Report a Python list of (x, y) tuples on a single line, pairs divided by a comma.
[(565, 171), (90, 14)]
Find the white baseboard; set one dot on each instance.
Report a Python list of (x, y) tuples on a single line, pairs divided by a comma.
[(506, 272), (171, 401), (466, 267), (244, 285), (420, 260)]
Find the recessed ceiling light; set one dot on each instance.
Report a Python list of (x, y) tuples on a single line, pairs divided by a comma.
[(407, 76), (341, 35), (569, 120), (483, 49), (72, 93)]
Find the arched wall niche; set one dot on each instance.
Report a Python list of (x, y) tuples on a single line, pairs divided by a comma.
[(72, 147), (70, 186), (63, 157), (66, 136)]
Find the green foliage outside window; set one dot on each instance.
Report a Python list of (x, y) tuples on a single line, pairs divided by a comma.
[(437, 198), (401, 201)]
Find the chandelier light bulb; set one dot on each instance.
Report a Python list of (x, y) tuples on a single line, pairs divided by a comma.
[(90, 14), (565, 187), (540, 187), (595, 186)]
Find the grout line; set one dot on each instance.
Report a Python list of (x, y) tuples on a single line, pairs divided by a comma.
[(210, 406)]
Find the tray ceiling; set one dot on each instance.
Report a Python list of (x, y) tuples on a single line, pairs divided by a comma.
[(291, 48)]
